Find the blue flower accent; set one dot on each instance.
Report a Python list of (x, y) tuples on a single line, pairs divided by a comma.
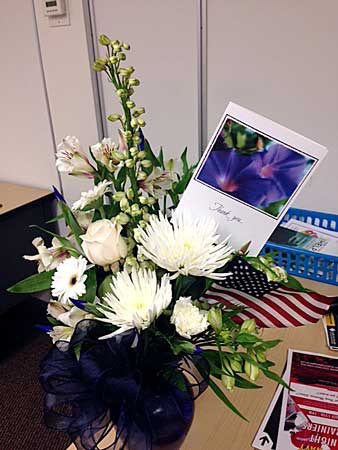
[(259, 179), (235, 175), (284, 167), (58, 195)]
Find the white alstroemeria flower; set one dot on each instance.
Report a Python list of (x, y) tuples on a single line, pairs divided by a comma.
[(71, 159), (47, 258), (69, 316), (84, 218), (92, 195), (61, 333), (188, 319), (68, 282), (107, 152), (135, 300), (185, 245), (158, 182)]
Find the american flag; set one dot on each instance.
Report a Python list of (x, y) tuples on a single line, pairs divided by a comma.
[(269, 303)]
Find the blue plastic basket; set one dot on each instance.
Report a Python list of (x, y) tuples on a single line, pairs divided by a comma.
[(303, 263)]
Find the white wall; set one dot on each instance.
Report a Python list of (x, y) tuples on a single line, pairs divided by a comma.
[(163, 39), (27, 152), (279, 58), (68, 74)]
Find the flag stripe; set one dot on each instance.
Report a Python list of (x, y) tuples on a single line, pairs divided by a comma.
[(261, 320), (300, 308), (251, 302), (279, 308), (290, 308)]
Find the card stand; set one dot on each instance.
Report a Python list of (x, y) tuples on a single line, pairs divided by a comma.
[(303, 263)]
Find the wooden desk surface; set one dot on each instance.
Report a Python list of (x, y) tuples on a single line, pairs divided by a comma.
[(215, 427), (13, 196)]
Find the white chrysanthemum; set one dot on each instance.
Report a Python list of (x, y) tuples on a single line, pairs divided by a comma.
[(188, 319), (136, 300), (92, 195), (69, 279), (185, 245)]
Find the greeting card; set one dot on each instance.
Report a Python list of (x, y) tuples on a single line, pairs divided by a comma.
[(250, 173)]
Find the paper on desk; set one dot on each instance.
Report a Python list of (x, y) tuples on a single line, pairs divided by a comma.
[(267, 434), (309, 417)]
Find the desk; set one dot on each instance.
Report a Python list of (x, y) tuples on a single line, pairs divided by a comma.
[(21, 206), (217, 428)]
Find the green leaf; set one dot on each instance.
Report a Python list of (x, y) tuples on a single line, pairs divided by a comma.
[(35, 283), (273, 376), (181, 346), (265, 345), (242, 383), (150, 154), (66, 244), (161, 158), (121, 178), (293, 283), (185, 166), (240, 139), (275, 207), (55, 219), (104, 287), (220, 394), (246, 338), (91, 285), (71, 222)]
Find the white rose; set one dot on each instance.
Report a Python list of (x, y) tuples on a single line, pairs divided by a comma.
[(103, 244), (188, 319)]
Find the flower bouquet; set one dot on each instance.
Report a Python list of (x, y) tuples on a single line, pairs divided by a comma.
[(135, 341)]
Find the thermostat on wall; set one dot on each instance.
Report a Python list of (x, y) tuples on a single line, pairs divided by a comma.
[(54, 7)]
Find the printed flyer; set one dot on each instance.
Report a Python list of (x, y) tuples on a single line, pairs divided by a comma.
[(310, 409)]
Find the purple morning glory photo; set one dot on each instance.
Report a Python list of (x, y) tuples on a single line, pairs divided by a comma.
[(262, 177)]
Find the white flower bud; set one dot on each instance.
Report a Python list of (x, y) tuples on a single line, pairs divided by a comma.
[(141, 122), (122, 219), (133, 151), (121, 93), (128, 134), (130, 193), (137, 140), (134, 122), (129, 163), (143, 200), (124, 204), (134, 82), (126, 46), (141, 175), (146, 163), (130, 104), (142, 154), (248, 326), (151, 201), (114, 117), (104, 40), (215, 319), (143, 223), (135, 210), (118, 196), (131, 261), (251, 370), (228, 382)]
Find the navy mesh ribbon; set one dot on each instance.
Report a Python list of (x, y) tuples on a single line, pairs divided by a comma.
[(90, 392)]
